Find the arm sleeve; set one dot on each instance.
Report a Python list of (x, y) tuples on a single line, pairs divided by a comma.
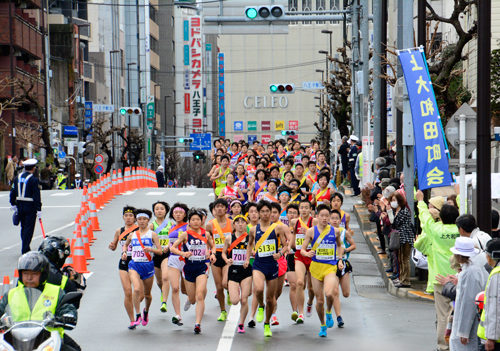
[(13, 193), (3, 304), (492, 309), (426, 221), (465, 308), (422, 243), (67, 308), (36, 194), (449, 291)]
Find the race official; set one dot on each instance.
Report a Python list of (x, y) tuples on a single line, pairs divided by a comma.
[(77, 183), (25, 200)]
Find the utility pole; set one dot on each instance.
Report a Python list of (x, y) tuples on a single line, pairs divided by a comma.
[(377, 82), (408, 138), (365, 57), (484, 116), (356, 120), (383, 88), (399, 114)]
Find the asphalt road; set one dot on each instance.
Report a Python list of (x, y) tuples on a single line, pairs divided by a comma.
[(374, 320)]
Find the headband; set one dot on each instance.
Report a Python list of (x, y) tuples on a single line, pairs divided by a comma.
[(178, 209), (128, 211), (240, 216), (142, 215), (236, 202), (285, 192)]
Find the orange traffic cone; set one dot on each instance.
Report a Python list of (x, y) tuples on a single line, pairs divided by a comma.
[(120, 182), (6, 285), (90, 229), (93, 217), (16, 278), (79, 261), (127, 180), (86, 246)]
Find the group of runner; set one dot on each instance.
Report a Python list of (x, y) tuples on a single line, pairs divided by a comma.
[(249, 252)]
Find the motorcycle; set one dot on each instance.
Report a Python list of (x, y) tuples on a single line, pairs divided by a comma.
[(31, 335)]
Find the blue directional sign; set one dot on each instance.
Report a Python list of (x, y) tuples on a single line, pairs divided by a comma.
[(89, 107), (70, 131), (62, 154), (201, 141)]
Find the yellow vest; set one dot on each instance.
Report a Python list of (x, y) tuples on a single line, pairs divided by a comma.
[(18, 303), (481, 332)]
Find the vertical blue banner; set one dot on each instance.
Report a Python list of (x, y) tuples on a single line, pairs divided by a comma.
[(186, 55), (186, 30), (222, 102), (430, 151)]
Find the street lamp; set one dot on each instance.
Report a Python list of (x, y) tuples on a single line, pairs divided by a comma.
[(128, 80), (112, 103), (153, 139), (326, 53), (164, 127), (321, 96), (326, 31)]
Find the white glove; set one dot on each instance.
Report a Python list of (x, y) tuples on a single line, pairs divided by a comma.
[(13, 208), (39, 214)]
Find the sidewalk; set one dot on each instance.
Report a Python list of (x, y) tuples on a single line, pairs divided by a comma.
[(366, 252)]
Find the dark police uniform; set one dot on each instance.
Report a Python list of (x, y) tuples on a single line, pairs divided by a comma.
[(25, 194), (353, 154)]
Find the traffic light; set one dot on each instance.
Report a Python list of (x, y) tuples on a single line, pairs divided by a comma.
[(288, 132), (133, 113), (199, 155), (264, 13), (282, 88), (185, 140)]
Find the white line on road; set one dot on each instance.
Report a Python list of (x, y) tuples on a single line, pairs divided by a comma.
[(61, 194), (185, 194), (4, 195), (155, 193), (39, 236), (129, 192), (226, 339)]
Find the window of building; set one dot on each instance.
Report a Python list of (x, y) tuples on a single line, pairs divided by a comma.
[(153, 13), (293, 6), (122, 60), (153, 44), (154, 74), (320, 6), (307, 6), (173, 46), (173, 21), (334, 5), (173, 70)]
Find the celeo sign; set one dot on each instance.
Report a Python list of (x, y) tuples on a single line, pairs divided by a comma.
[(265, 102)]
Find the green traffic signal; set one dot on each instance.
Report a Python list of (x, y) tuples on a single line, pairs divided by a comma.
[(273, 88), (123, 111), (251, 13), (283, 132), (181, 140)]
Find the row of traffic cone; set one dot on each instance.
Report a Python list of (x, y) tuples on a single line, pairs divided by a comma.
[(95, 197), (6, 286)]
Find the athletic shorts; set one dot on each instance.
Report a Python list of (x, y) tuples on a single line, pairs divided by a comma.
[(238, 273), (123, 265), (175, 262), (347, 269), (290, 259), (282, 264), (194, 270), (321, 270), (305, 260), (145, 269), (269, 269), (159, 259), (219, 260)]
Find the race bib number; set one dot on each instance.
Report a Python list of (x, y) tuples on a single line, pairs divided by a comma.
[(326, 252), (268, 248), (198, 251), (260, 196), (138, 254), (299, 240), (129, 250), (164, 241), (239, 257), (218, 241)]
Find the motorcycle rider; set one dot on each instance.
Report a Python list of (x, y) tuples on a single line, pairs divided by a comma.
[(34, 271)]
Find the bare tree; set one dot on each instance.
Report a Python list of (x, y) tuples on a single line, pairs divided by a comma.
[(134, 145)]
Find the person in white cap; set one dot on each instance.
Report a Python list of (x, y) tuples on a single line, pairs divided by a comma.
[(160, 178), (471, 281), (25, 200), (353, 155), (77, 183)]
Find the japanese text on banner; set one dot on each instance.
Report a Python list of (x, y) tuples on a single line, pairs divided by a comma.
[(430, 152), (195, 68)]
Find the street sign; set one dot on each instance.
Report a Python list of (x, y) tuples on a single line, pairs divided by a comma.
[(150, 107), (56, 151), (150, 125), (98, 169), (70, 131), (201, 141), (98, 158), (452, 130), (103, 108), (170, 183), (62, 154), (70, 140), (312, 86), (185, 154), (71, 148)]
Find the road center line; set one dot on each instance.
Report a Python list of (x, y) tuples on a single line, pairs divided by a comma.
[(226, 339)]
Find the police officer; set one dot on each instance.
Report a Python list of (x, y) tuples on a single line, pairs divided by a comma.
[(33, 270), (61, 180), (77, 183), (25, 200), (353, 154)]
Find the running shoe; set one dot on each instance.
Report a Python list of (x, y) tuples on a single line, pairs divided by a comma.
[(163, 307), (187, 305), (340, 322), (241, 329), (267, 331), (322, 332), (145, 319), (138, 321), (274, 321), (295, 315), (300, 319), (329, 320), (251, 323), (132, 326), (260, 315), (222, 317), (177, 320), (228, 300), (309, 310), (197, 329), (286, 283)]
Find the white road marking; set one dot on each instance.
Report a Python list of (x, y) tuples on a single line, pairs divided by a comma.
[(129, 193), (88, 275), (155, 193), (4, 195), (185, 194), (61, 194), (39, 236), (226, 339), (211, 194)]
